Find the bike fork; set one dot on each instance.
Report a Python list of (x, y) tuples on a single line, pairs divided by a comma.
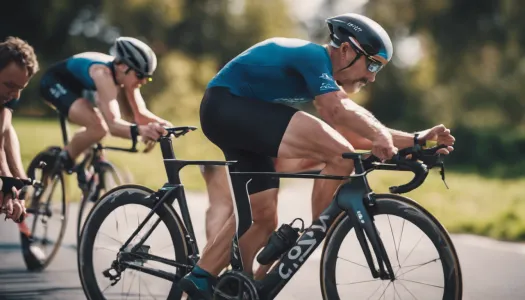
[(366, 232), (356, 200)]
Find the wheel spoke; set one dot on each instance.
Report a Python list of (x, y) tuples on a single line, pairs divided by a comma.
[(423, 283), (408, 255), (394, 240), (347, 260), (415, 267), (407, 290)]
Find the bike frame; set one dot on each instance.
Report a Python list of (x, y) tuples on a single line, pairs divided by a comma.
[(171, 191), (355, 198)]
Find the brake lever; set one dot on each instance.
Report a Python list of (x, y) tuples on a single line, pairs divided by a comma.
[(442, 173)]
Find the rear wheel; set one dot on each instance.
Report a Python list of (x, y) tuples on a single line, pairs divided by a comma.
[(420, 251), (42, 231)]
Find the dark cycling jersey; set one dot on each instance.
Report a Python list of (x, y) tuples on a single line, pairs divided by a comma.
[(281, 70), (78, 66), (64, 82)]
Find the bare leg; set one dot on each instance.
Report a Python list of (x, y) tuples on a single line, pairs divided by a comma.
[(219, 194), (83, 113), (216, 254), (306, 137)]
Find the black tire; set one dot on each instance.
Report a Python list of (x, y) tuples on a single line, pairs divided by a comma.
[(410, 211), (120, 196), (86, 204), (34, 263)]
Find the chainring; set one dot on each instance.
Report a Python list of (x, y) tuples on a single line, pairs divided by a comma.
[(235, 285)]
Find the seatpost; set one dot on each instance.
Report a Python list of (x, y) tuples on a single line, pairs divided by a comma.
[(166, 148), (63, 127)]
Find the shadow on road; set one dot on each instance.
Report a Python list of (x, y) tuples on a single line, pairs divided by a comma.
[(21, 284)]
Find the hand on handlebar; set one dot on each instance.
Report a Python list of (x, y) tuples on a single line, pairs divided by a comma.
[(165, 123), (14, 208), (441, 135), (383, 145), (151, 133)]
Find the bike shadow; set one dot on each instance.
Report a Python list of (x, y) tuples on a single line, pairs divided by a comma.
[(9, 247), (21, 284)]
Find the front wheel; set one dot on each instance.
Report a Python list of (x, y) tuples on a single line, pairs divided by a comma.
[(109, 177), (419, 248), (109, 225), (42, 231)]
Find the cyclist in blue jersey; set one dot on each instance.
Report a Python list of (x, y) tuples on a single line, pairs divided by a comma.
[(18, 64), (132, 66), (245, 111)]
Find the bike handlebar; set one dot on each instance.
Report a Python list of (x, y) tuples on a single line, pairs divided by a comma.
[(177, 131), (414, 159), (6, 185)]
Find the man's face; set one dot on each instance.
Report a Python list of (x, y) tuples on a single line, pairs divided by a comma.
[(352, 79), (13, 79)]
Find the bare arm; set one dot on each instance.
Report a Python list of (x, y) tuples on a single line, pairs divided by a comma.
[(401, 139), (107, 102), (5, 125), (140, 112), (355, 123), (339, 111), (14, 156)]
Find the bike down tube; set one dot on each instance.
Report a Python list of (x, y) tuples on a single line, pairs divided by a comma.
[(186, 219), (168, 195), (293, 259)]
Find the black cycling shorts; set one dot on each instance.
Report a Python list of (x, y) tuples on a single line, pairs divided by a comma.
[(246, 130), (59, 88)]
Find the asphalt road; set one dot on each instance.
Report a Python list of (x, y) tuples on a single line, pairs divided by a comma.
[(491, 269)]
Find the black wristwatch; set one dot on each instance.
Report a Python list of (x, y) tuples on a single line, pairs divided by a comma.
[(417, 141), (134, 130)]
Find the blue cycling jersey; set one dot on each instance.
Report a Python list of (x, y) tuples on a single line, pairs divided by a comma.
[(79, 65), (280, 70)]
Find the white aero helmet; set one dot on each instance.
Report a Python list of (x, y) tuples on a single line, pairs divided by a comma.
[(136, 54)]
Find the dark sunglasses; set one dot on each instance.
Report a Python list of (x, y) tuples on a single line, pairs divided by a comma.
[(139, 74), (371, 64)]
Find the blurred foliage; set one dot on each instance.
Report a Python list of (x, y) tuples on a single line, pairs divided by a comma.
[(456, 62)]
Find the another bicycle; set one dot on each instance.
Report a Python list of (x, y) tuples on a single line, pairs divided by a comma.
[(355, 210), (95, 175)]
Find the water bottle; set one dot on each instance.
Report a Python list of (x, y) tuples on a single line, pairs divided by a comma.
[(278, 243)]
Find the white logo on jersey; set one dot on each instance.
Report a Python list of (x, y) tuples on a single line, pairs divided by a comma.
[(325, 76), (326, 86), (58, 90)]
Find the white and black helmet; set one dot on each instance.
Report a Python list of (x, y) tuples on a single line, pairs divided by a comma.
[(136, 54)]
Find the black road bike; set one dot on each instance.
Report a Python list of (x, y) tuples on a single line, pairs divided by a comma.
[(355, 209), (95, 176)]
